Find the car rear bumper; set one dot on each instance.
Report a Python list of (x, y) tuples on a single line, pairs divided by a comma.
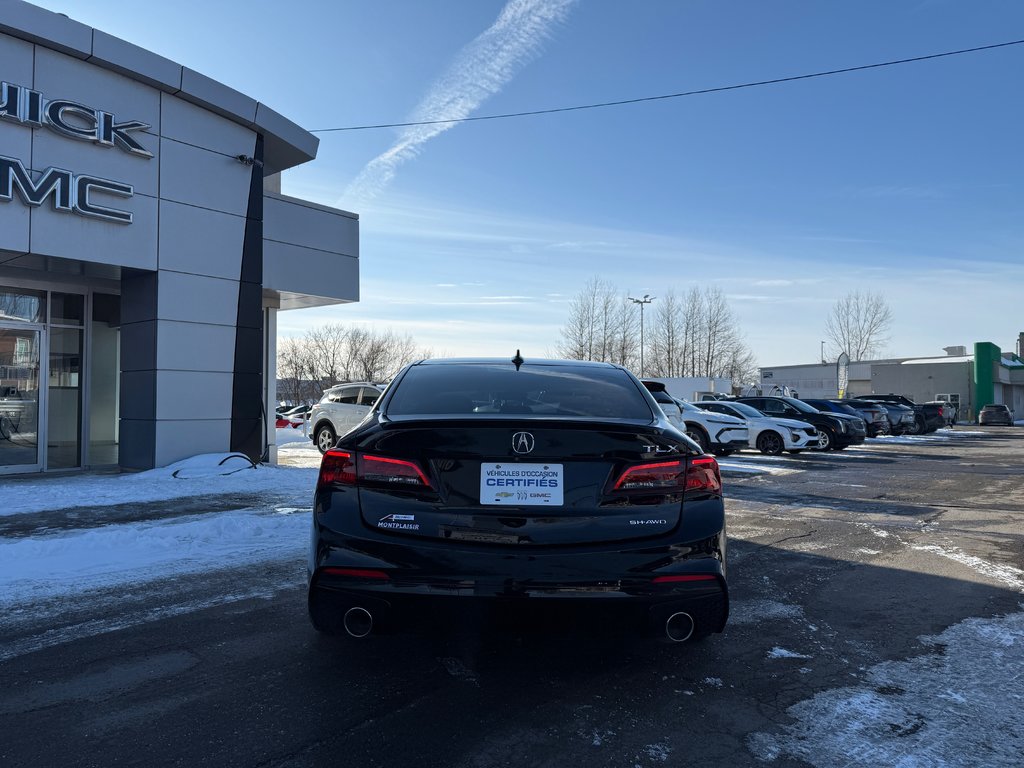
[(403, 578), (399, 603)]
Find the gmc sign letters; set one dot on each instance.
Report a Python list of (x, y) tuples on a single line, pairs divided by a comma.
[(70, 192)]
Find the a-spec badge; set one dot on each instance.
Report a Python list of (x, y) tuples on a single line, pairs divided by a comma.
[(522, 442)]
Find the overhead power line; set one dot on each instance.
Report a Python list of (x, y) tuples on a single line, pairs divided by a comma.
[(662, 97)]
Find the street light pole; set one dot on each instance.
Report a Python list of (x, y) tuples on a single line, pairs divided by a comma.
[(647, 299), (823, 360)]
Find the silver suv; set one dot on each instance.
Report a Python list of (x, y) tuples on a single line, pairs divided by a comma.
[(340, 409)]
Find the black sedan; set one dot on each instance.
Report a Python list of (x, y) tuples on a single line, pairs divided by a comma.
[(518, 483)]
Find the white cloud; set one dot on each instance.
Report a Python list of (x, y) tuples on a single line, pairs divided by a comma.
[(480, 70)]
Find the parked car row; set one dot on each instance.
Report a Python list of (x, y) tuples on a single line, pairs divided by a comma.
[(774, 424), (927, 416)]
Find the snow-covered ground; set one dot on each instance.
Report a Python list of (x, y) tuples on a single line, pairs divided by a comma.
[(962, 704), (79, 561), (200, 475)]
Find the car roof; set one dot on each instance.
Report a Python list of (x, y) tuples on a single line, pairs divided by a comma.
[(353, 384), (508, 361)]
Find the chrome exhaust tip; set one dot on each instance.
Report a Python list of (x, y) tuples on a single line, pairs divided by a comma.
[(358, 622), (679, 627)]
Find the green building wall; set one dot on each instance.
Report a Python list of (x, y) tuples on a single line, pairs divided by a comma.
[(986, 356)]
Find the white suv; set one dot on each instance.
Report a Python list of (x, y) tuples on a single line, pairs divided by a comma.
[(770, 435), (340, 409), (715, 433)]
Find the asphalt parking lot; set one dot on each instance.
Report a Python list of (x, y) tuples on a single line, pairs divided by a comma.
[(876, 617)]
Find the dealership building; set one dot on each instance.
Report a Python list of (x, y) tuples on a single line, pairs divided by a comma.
[(972, 381), (145, 250)]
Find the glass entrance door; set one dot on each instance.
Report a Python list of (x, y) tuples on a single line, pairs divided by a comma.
[(20, 358)]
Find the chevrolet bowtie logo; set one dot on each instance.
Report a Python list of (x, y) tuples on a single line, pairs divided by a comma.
[(522, 442)]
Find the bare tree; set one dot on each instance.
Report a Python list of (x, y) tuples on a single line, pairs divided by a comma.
[(692, 335), (325, 353), (859, 325), (332, 354), (291, 369), (382, 354), (599, 326), (666, 355)]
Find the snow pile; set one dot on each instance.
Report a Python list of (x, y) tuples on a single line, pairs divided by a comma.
[(921, 712), (204, 465), (288, 435), (73, 563), (201, 475)]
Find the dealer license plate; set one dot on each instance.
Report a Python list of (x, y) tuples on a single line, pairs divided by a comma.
[(521, 484)]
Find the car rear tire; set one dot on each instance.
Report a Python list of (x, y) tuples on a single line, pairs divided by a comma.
[(917, 428), (325, 438), (770, 443), (699, 436)]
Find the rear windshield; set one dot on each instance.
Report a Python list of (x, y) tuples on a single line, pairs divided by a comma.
[(460, 389)]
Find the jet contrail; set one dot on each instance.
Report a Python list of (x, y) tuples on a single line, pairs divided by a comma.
[(480, 70)]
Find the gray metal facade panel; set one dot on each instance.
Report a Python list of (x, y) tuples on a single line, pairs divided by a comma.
[(82, 157), (59, 76), (287, 220), (200, 241), (56, 233), (199, 177), (136, 62), (197, 299), (217, 97), (292, 268), (193, 395), (37, 25), (195, 347), (15, 221), (16, 60), (286, 143), (180, 439), (141, 404), (137, 449), (199, 127)]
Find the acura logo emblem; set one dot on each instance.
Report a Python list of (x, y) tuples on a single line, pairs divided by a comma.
[(522, 442)]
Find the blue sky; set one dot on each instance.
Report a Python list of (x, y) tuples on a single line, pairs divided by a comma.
[(907, 180)]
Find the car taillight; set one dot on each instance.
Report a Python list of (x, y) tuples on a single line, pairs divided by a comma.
[(656, 476), (683, 577), (345, 468), (703, 475), (700, 474), (337, 468), (380, 469)]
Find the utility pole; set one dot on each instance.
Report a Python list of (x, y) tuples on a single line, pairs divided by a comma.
[(647, 299), (823, 360)]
